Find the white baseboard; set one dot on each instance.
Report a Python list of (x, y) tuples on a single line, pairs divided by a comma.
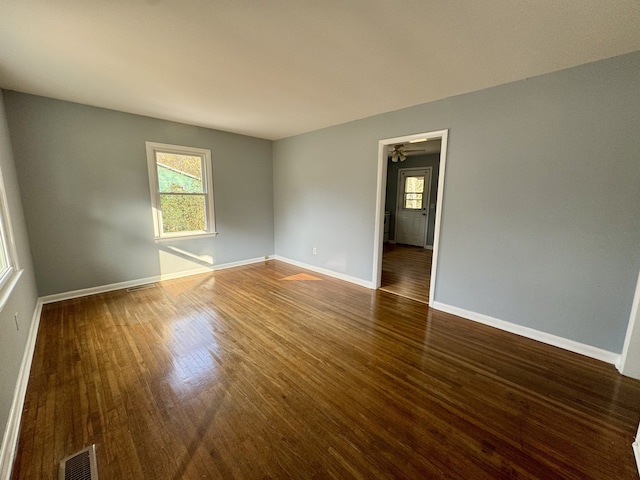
[(556, 341), (12, 431), (324, 271), (57, 297)]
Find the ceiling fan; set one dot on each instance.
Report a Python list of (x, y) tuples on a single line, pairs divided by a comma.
[(399, 152)]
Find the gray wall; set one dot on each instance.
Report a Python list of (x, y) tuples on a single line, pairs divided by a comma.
[(540, 211), (24, 297), (85, 190), (417, 161)]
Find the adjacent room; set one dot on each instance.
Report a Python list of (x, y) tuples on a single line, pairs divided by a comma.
[(411, 196), (318, 240)]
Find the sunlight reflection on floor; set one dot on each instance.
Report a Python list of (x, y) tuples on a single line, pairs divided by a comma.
[(193, 346)]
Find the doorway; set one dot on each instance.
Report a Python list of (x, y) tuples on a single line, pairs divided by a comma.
[(406, 257)]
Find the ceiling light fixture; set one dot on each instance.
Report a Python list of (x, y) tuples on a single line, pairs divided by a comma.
[(398, 156)]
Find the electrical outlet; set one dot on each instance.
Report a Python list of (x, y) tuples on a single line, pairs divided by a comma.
[(315, 251), (15, 316)]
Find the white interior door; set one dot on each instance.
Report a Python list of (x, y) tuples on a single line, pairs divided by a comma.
[(413, 199)]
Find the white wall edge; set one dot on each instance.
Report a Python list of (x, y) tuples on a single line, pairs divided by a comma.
[(636, 452), (629, 336), (142, 281), (12, 431), (548, 338), (324, 271), (636, 449)]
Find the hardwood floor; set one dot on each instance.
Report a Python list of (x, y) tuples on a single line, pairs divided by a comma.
[(406, 271), (261, 372)]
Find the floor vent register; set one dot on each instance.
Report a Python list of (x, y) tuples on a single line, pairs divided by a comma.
[(81, 465)]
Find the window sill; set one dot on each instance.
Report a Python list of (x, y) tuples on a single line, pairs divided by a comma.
[(185, 237), (8, 287)]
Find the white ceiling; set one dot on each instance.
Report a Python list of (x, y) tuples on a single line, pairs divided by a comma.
[(277, 68)]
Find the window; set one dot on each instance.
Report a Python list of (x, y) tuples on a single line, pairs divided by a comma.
[(9, 270), (181, 191), (413, 191)]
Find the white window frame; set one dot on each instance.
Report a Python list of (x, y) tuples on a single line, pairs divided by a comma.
[(207, 178), (10, 274)]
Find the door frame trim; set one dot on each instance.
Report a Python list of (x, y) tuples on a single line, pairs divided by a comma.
[(378, 236), (399, 200)]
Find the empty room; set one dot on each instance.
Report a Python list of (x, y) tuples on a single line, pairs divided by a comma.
[(319, 240)]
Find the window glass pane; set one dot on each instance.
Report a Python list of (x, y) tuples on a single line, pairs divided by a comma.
[(179, 173), (413, 201), (414, 184), (183, 213)]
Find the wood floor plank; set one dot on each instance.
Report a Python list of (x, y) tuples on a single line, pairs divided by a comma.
[(406, 271), (260, 372)]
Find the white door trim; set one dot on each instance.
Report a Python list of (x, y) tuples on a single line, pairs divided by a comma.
[(426, 201), (380, 198)]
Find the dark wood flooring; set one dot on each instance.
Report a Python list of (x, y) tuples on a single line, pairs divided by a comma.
[(267, 371), (406, 271)]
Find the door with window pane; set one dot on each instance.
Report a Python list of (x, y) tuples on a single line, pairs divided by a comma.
[(413, 200)]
